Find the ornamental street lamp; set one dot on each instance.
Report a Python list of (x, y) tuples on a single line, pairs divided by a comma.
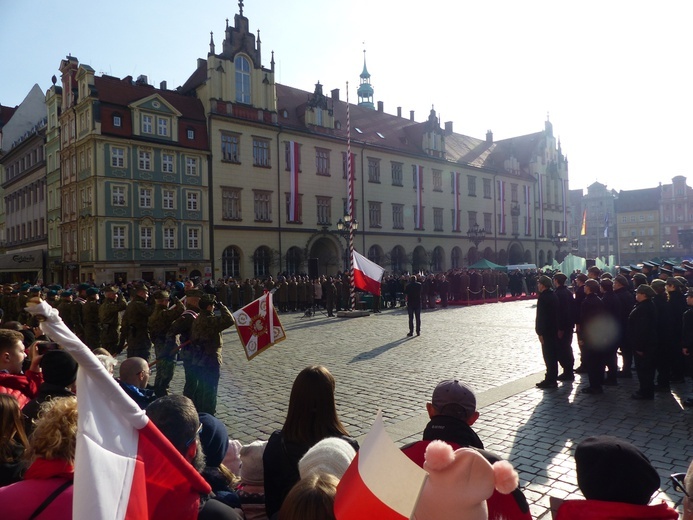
[(636, 244), (476, 234), (667, 247), (559, 240)]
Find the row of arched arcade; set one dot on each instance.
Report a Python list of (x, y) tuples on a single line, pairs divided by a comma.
[(326, 256)]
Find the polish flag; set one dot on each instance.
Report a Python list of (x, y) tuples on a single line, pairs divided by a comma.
[(258, 326), (294, 215), (125, 469), (419, 198), (367, 274), (381, 482)]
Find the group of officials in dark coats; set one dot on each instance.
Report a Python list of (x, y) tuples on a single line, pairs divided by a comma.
[(648, 323)]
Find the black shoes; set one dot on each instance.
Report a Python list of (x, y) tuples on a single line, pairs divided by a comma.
[(418, 333), (640, 397), (566, 376), (410, 334), (547, 384), (590, 390)]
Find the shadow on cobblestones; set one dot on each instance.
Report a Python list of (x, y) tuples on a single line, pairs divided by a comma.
[(365, 356)]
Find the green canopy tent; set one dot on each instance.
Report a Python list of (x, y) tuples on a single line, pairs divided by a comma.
[(485, 264)]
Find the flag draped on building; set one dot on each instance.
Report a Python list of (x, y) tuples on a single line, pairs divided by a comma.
[(501, 197), (367, 274), (456, 193), (606, 225), (381, 482), (419, 224), (528, 217), (258, 326), (294, 214), (583, 229), (125, 469)]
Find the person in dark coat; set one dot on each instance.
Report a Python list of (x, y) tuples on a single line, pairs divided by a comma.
[(626, 301), (579, 290), (592, 316), (612, 307), (677, 306), (413, 293), (641, 337), (662, 358), (546, 327), (565, 327)]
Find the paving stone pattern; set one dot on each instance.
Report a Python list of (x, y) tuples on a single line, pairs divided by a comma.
[(495, 349)]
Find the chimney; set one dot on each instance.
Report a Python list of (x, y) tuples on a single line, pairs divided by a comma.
[(335, 94), (141, 80), (163, 85), (489, 137), (380, 106), (448, 127), (411, 115), (399, 111)]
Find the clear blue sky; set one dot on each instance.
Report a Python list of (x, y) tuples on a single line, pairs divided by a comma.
[(614, 76)]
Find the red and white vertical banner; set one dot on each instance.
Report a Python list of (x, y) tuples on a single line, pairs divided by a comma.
[(565, 205), (293, 196), (541, 207), (350, 205), (501, 196), (456, 192), (528, 217), (419, 197)]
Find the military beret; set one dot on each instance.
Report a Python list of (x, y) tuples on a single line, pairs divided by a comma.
[(639, 278), (206, 299), (658, 282), (35, 289), (92, 291), (674, 281), (560, 277), (52, 292), (25, 287), (622, 280), (646, 290), (194, 293), (161, 295), (545, 281), (110, 289), (66, 294), (83, 286)]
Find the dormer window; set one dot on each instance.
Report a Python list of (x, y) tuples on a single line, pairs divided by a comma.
[(117, 121), (191, 134), (242, 66), (146, 124)]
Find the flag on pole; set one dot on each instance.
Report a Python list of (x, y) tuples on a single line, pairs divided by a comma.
[(541, 208), (381, 482), (367, 274), (583, 229), (456, 191), (294, 215), (501, 195), (419, 198), (125, 469), (258, 326), (528, 225), (606, 225)]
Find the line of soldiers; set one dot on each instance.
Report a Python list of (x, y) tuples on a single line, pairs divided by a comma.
[(184, 325), (645, 313)]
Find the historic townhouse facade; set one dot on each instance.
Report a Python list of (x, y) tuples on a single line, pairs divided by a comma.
[(133, 180), (515, 190), (638, 226)]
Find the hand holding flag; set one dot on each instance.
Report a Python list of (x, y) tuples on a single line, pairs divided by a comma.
[(258, 326)]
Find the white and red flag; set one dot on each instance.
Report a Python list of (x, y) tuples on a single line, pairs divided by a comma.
[(125, 469), (367, 274), (501, 197), (294, 214), (258, 326), (456, 192), (381, 482)]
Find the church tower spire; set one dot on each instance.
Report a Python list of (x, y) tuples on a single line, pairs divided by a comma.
[(365, 90)]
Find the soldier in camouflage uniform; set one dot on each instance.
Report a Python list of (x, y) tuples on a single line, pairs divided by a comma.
[(206, 337), (182, 327), (159, 322), (66, 309), (109, 319), (90, 319), (234, 294), (134, 329), (22, 300)]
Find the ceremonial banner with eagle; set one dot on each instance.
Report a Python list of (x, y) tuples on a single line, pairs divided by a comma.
[(258, 326)]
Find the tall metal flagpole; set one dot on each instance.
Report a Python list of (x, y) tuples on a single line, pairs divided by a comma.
[(350, 207)]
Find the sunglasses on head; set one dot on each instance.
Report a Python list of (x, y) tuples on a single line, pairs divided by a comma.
[(678, 480)]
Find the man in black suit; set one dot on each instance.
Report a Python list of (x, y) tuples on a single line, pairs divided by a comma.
[(413, 293)]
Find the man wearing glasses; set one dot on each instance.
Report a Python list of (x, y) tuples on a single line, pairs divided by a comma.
[(683, 482)]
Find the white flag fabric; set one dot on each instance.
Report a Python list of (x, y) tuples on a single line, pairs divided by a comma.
[(367, 274)]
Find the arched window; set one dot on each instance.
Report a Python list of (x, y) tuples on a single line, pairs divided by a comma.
[(242, 79), (231, 262), (374, 254), (294, 260), (456, 258), (438, 260), (397, 259), (262, 259)]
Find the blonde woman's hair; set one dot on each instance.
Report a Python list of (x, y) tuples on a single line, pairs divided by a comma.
[(55, 431), (312, 498)]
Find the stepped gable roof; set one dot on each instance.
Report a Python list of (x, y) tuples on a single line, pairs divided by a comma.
[(637, 200), (123, 92)]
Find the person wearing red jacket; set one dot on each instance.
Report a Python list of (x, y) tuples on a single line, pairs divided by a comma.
[(22, 385), (452, 411)]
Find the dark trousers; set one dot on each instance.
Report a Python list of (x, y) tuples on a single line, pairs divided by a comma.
[(191, 378), (414, 312), (205, 396), (663, 364), (549, 350), (565, 352), (645, 367), (596, 361)]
